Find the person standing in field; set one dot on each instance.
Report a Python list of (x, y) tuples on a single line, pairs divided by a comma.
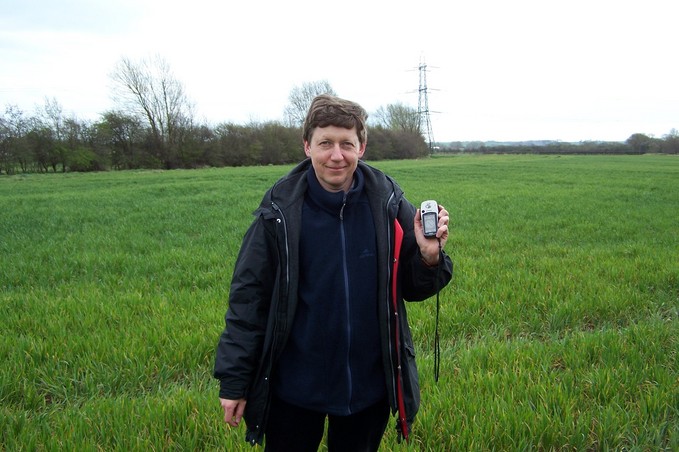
[(316, 325)]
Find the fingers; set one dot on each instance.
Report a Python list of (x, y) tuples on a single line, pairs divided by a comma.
[(239, 412), (444, 219), (443, 216), (233, 411), (228, 407)]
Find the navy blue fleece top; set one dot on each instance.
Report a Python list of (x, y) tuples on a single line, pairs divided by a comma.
[(332, 361)]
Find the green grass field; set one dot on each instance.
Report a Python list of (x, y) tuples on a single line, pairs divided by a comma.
[(560, 330)]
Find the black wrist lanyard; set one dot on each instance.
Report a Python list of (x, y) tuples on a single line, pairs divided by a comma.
[(437, 342)]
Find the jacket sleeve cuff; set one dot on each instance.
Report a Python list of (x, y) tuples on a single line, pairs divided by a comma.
[(229, 392)]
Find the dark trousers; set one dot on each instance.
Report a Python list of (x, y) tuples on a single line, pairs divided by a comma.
[(294, 429)]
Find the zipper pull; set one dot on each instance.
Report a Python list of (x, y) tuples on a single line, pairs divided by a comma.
[(344, 203)]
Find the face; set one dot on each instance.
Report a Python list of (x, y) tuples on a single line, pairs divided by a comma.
[(334, 153)]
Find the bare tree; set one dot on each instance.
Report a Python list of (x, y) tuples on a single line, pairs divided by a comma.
[(53, 115), (398, 116), (300, 99), (149, 89)]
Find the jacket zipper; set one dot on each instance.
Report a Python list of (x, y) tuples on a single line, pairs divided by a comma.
[(347, 304), (285, 233)]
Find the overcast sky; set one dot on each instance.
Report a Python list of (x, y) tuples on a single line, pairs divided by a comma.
[(498, 69)]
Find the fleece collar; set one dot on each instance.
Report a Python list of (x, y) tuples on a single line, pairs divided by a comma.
[(333, 201)]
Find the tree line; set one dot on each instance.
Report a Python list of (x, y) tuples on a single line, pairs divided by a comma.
[(153, 126), (121, 141), (637, 143)]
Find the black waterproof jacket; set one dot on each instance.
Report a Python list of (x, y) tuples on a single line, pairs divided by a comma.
[(263, 296)]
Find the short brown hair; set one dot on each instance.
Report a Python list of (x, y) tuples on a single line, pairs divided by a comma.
[(327, 110)]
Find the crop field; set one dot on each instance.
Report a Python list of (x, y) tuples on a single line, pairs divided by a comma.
[(560, 330)]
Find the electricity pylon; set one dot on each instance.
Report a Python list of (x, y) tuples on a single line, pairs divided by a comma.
[(423, 113)]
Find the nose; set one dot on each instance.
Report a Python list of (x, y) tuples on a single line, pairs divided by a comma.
[(337, 152)]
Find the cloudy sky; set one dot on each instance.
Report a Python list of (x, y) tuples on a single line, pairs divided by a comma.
[(498, 69)]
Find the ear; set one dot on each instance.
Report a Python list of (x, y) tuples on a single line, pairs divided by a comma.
[(307, 149), (361, 150)]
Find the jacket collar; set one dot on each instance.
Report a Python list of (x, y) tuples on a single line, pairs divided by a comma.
[(292, 187)]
